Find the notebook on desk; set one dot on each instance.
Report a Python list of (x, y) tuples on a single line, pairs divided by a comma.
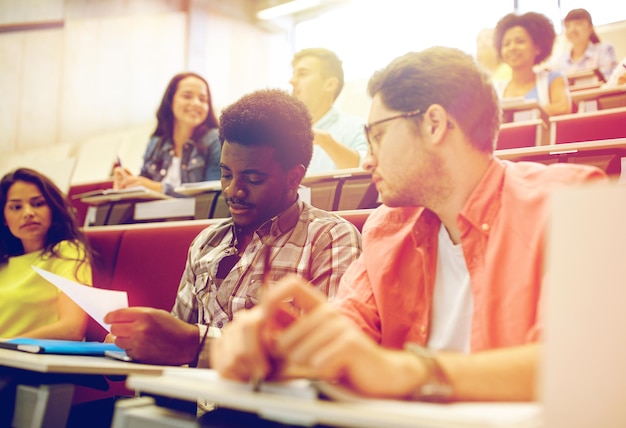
[(63, 347), (97, 197)]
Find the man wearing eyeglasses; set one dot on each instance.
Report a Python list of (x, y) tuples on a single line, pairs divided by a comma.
[(443, 303), (317, 81)]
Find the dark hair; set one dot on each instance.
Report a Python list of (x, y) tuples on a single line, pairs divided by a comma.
[(270, 117), (582, 14), (64, 226), (444, 76), (165, 115), (331, 64), (538, 26)]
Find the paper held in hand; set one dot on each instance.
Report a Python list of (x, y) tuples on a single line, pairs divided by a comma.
[(97, 302)]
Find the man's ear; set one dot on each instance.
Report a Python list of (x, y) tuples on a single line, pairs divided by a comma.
[(331, 84), (436, 122), (295, 176)]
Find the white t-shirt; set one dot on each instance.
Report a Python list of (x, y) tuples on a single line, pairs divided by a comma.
[(453, 302), (173, 173)]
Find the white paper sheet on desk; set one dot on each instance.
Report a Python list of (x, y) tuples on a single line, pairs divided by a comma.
[(97, 302)]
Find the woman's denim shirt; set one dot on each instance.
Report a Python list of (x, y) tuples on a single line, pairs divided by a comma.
[(196, 165)]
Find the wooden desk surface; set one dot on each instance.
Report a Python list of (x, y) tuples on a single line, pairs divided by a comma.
[(73, 364), (361, 413), (590, 94), (555, 149), (333, 175)]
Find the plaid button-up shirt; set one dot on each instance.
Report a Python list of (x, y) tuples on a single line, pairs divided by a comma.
[(306, 241)]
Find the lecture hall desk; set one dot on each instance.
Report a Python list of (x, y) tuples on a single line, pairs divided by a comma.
[(43, 372)]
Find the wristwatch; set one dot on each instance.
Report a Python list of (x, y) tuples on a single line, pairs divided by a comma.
[(437, 387)]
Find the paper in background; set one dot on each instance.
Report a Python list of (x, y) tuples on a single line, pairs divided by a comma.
[(97, 302)]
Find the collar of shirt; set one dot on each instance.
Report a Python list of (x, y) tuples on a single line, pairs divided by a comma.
[(328, 119), (590, 52), (271, 230), (479, 212), (483, 204)]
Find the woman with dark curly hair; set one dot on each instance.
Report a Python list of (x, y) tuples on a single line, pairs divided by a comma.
[(38, 228), (523, 42), (185, 146)]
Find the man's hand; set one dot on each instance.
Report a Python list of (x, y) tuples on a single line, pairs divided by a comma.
[(294, 331), (330, 346), (153, 336), (240, 354)]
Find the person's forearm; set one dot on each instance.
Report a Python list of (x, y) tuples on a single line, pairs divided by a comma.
[(62, 330), (157, 186), (342, 156), (558, 108), (507, 374)]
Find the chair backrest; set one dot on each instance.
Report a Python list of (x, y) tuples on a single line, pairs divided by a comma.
[(590, 126), (150, 264)]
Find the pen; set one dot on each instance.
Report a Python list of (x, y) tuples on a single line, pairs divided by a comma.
[(33, 349)]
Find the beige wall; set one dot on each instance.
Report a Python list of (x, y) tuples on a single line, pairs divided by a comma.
[(106, 68)]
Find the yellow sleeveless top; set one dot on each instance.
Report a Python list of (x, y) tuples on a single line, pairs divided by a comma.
[(28, 301)]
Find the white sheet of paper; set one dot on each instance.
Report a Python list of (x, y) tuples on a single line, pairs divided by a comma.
[(97, 302)]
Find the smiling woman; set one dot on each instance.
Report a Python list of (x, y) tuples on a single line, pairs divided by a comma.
[(38, 228), (185, 146), (523, 41)]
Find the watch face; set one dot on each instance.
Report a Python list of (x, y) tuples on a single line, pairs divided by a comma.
[(436, 387), (435, 392)]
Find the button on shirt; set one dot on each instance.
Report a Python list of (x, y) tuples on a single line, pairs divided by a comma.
[(304, 240), (388, 291)]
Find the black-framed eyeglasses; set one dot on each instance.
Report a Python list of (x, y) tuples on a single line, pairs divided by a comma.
[(368, 127)]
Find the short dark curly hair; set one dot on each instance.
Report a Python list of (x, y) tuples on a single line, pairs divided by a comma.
[(270, 117), (538, 26)]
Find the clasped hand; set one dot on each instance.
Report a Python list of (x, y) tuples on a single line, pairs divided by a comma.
[(295, 332)]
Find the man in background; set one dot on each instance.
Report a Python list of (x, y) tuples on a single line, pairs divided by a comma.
[(339, 138)]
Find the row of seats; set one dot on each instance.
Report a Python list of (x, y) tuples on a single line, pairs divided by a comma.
[(147, 260), (341, 190), (352, 189), (570, 128)]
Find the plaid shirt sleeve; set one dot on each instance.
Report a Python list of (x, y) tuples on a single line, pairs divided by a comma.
[(335, 244), (185, 306)]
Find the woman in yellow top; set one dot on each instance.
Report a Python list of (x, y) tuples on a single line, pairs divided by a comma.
[(38, 228)]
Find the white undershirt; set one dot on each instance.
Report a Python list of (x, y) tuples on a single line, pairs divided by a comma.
[(173, 173), (453, 303)]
